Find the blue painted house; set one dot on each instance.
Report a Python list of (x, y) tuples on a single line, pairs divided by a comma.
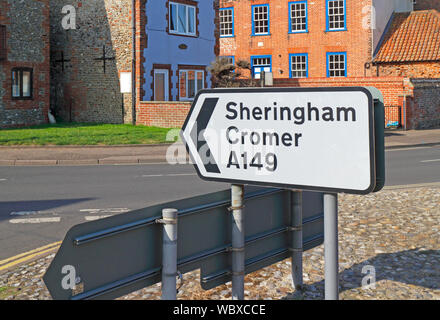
[(181, 43)]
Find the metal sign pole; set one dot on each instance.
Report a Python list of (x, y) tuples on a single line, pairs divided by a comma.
[(238, 242), (331, 246), (169, 258), (297, 239)]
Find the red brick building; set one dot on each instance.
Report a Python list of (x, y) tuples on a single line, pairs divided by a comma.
[(24, 62), (306, 43), (300, 37)]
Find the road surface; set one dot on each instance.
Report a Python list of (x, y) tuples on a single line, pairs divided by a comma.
[(38, 205)]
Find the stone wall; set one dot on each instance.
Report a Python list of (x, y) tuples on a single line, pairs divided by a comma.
[(427, 4), (410, 70), (27, 34), (424, 110), (84, 92)]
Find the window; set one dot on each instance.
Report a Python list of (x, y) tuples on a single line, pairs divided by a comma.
[(299, 65), (227, 22), (2, 43), (21, 83), (336, 15), (190, 82), (161, 84), (260, 20), (182, 19), (260, 63), (336, 64), (298, 17), (231, 59)]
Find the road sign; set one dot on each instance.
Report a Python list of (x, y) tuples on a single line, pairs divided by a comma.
[(303, 138), (114, 256)]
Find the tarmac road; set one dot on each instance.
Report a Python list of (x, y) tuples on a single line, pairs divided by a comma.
[(39, 204)]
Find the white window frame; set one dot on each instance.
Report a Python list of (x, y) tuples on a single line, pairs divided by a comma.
[(196, 89), (166, 80), (297, 60), (227, 13), (257, 23), (339, 15), (298, 12), (336, 64), (187, 7)]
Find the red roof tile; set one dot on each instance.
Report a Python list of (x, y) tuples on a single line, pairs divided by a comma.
[(412, 37)]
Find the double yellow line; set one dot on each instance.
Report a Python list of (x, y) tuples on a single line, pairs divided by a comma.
[(27, 256)]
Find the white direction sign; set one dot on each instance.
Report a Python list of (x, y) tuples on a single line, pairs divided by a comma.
[(305, 138)]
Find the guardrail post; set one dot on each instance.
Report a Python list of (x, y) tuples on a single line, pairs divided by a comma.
[(331, 246), (238, 242), (297, 239), (169, 254)]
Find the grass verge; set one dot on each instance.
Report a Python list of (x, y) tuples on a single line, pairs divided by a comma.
[(83, 134)]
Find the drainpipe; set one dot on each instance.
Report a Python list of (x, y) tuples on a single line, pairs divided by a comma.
[(404, 106), (133, 64)]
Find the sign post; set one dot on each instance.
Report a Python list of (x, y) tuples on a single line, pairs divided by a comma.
[(169, 254), (319, 139), (297, 245), (331, 258), (238, 242)]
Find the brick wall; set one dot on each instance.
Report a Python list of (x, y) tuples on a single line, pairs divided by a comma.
[(83, 92), (167, 114), (424, 108), (392, 88), (415, 101), (356, 41), (27, 42)]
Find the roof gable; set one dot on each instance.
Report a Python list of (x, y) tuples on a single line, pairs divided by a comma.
[(412, 37)]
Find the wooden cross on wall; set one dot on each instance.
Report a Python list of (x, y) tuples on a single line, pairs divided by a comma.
[(104, 58), (62, 60)]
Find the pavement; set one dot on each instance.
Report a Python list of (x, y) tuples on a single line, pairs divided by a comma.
[(140, 154)]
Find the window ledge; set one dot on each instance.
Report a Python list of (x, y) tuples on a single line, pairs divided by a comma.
[(183, 35), (22, 98), (339, 30), (298, 32), (261, 35)]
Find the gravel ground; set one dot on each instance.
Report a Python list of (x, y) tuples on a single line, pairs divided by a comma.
[(395, 231)]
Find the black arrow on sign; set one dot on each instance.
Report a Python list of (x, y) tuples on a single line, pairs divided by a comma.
[(198, 139)]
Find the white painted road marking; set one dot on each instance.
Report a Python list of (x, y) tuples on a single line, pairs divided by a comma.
[(93, 218), (407, 149), (435, 160), (106, 210), (168, 175), (36, 220), (23, 213), (3, 180)]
